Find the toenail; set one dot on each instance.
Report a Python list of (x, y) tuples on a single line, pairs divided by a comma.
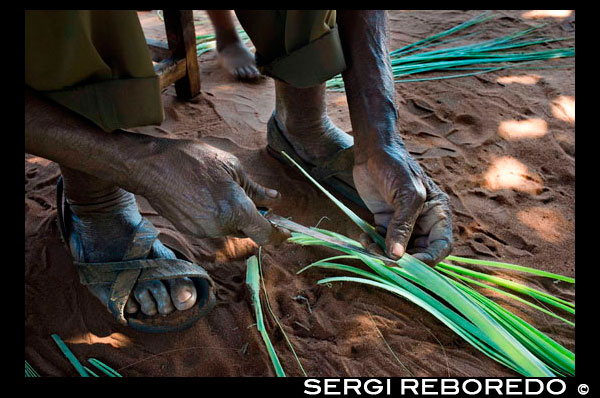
[(184, 296)]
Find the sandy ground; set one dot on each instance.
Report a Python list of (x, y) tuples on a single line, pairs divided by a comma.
[(502, 145)]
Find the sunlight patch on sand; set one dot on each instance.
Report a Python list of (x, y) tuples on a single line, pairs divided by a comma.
[(223, 87), (37, 160), (338, 99), (522, 79), (513, 130), (536, 14), (508, 173), (235, 248), (563, 108), (549, 224), (116, 340)]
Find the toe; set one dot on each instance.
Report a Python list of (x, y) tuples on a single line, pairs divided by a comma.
[(183, 293), (161, 297), (241, 73), (252, 72), (132, 306), (145, 300)]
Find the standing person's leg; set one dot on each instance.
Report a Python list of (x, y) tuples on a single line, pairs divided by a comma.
[(232, 53)]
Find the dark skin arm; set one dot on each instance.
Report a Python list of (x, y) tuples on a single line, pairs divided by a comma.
[(202, 190), (406, 203)]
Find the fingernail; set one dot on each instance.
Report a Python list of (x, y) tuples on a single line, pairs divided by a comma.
[(397, 250), (272, 193)]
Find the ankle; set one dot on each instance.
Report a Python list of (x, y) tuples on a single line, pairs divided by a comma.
[(302, 111), (109, 203), (304, 127), (226, 37)]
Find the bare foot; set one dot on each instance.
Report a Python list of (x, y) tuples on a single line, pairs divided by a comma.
[(237, 60)]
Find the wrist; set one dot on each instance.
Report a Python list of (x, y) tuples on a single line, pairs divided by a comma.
[(373, 144), (133, 160)]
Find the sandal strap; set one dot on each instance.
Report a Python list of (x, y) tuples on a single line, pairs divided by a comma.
[(143, 238), (174, 268), (94, 273), (134, 271), (120, 291), (151, 269), (134, 267), (139, 247)]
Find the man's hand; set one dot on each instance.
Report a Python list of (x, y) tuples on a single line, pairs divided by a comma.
[(406, 204), (205, 192)]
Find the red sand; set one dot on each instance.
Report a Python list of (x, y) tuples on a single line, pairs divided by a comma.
[(502, 145)]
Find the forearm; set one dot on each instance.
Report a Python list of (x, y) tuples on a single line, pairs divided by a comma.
[(368, 81), (57, 134)]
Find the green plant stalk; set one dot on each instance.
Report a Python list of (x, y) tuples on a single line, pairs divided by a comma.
[(514, 297), (30, 371), (388, 346), (516, 331), (90, 371), (450, 76), (535, 340), (252, 281), (363, 225), (558, 357), (518, 287), (492, 353), (475, 20), (523, 332), (104, 368), (65, 350), (532, 342), (511, 267), (411, 290), (450, 318), (502, 340), (289, 343), (471, 54)]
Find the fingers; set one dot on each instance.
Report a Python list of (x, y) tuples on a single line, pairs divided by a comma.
[(260, 195), (241, 73), (246, 218), (436, 222), (434, 253), (366, 241), (407, 208), (253, 73), (254, 225)]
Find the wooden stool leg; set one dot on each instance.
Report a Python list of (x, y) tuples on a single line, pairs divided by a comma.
[(181, 37)]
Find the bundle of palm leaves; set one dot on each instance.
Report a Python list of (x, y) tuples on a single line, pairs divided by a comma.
[(481, 57), (445, 291)]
